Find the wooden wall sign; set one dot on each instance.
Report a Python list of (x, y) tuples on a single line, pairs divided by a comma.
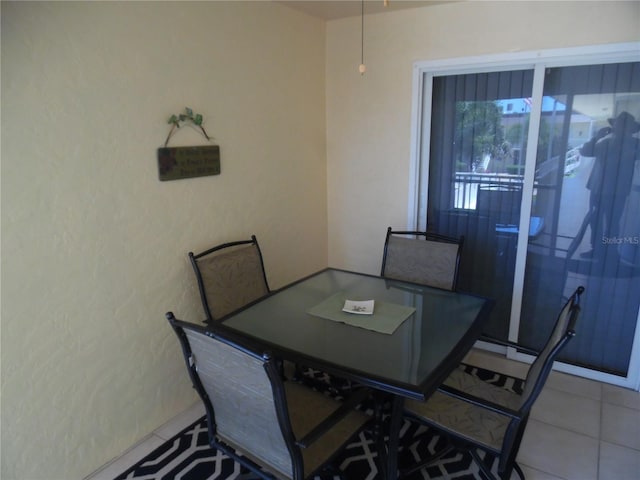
[(175, 163)]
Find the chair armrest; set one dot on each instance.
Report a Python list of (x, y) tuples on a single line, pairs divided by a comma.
[(328, 423), (507, 343), (479, 402)]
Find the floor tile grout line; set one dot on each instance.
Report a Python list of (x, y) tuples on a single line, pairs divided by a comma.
[(536, 469), (621, 445), (587, 397), (621, 403), (625, 407), (582, 434)]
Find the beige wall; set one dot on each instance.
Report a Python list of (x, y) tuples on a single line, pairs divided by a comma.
[(94, 246), (369, 117)]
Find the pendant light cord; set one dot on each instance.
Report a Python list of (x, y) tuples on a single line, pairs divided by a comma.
[(362, 32), (362, 68)]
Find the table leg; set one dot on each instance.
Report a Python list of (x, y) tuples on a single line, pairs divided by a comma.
[(379, 433), (395, 423), (387, 434)]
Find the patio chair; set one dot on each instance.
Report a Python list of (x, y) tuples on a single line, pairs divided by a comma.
[(422, 257), (501, 203), (276, 429), (475, 415), (230, 276)]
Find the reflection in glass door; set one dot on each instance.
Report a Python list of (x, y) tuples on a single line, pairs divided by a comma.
[(479, 166), (584, 186)]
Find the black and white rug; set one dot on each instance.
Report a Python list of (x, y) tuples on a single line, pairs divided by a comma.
[(188, 456)]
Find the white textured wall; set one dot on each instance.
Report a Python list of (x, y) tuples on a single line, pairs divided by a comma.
[(369, 117), (94, 246)]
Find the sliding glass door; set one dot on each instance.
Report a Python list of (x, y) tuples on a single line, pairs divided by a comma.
[(538, 166), (584, 194), (478, 131)]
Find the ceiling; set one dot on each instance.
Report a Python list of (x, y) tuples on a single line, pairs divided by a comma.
[(333, 9)]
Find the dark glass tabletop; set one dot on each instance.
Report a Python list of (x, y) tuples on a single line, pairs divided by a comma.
[(411, 361)]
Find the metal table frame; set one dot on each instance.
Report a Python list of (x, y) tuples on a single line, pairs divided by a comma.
[(410, 363)]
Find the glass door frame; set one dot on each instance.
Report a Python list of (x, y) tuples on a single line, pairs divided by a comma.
[(538, 61)]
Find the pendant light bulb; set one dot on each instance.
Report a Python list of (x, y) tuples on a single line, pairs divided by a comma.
[(362, 68)]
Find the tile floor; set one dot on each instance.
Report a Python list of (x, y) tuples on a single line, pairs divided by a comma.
[(579, 430)]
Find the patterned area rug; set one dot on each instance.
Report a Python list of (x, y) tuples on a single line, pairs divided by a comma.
[(188, 455)]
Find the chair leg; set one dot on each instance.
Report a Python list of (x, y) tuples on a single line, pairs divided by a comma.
[(506, 474), (518, 470), (485, 469)]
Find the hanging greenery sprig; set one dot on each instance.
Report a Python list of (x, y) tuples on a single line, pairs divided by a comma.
[(176, 121)]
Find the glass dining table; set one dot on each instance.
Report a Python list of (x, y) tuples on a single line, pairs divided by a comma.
[(403, 340)]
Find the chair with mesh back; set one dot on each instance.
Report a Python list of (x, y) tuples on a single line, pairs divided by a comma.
[(277, 429), (475, 415), (230, 276), (422, 257)]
